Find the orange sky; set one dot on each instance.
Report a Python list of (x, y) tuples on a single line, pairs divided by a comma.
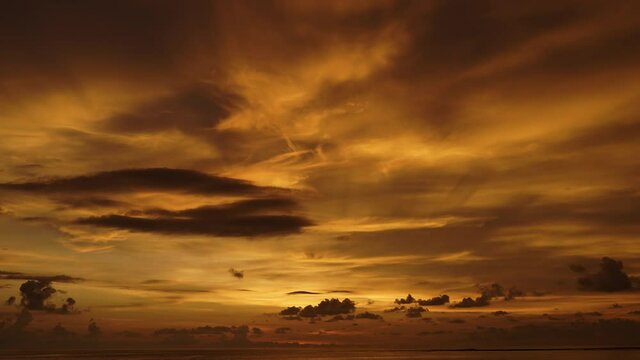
[(211, 163)]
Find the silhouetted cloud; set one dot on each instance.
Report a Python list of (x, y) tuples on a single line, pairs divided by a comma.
[(435, 301), (415, 312), (302, 292), (131, 180), (255, 217), (325, 307), (471, 302), (369, 316), (8, 275), (487, 293), (236, 273), (35, 293), (609, 278), (290, 311), (408, 300)]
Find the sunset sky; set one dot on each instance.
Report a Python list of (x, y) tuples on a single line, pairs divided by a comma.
[(173, 165)]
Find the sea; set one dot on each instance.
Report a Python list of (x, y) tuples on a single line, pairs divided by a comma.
[(330, 354)]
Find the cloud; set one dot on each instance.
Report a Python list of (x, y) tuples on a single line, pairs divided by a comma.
[(137, 180), (415, 312), (236, 273), (369, 316), (9, 275), (325, 307), (255, 217), (290, 311), (408, 300), (35, 293), (470, 302), (609, 278), (435, 301), (302, 292), (438, 300), (195, 110)]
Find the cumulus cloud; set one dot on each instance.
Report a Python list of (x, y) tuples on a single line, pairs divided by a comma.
[(609, 278), (435, 301), (415, 312), (35, 293), (326, 307), (290, 311), (369, 316), (408, 300), (487, 293)]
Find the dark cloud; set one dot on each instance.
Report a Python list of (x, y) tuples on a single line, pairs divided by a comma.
[(195, 110), (408, 300), (68, 305), (10, 301), (487, 293), (513, 293), (132, 180), (369, 316), (325, 307), (35, 293), (291, 311), (256, 217), (500, 313), (435, 301), (8, 275), (415, 312), (302, 292), (236, 273), (609, 278), (438, 300)]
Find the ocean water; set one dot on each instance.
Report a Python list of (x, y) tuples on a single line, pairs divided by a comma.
[(329, 354)]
